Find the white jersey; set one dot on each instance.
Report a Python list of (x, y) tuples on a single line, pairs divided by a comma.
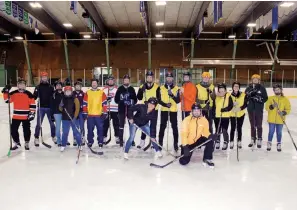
[(112, 92)]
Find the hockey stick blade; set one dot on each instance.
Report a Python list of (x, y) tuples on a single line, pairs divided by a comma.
[(95, 152), (46, 145), (108, 141), (148, 146), (78, 155)]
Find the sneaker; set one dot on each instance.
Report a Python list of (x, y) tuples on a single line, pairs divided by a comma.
[(252, 143), (141, 145), (259, 143), (74, 143), (62, 149), (68, 144), (231, 144), (100, 147), (54, 139), (16, 146), (126, 157), (239, 144), (36, 142), (217, 145), (225, 146), (80, 148), (105, 139), (268, 146), (133, 144), (159, 154), (27, 146), (90, 145), (208, 163), (117, 140), (279, 147)]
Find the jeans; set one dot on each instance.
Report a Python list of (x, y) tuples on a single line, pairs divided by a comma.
[(133, 129), (58, 121), (93, 122), (278, 128), (42, 112), (80, 123), (66, 124)]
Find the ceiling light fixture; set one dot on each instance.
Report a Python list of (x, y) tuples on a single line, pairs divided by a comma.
[(6, 34), (160, 3), (287, 4), (231, 36), (170, 32), (159, 35), (87, 36), (18, 37), (210, 32), (256, 33), (35, 5), (251, 25), (67, 25), (129, 32), (47, 33), (159, 23)]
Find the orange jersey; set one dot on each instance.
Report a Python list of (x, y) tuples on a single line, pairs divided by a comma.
[(23, 103), (188, 98)]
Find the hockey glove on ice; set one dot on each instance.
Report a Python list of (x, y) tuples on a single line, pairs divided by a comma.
[(31, 116), (283, 113), (186, 150)]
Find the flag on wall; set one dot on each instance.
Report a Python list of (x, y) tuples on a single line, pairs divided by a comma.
[(274, 19), (21, 13), (26, 17), (14, 9), (215, 12), (8, 7), (36, 28), (73, 6), (295, 35), (220, 10), (30, 21), (2, 6)]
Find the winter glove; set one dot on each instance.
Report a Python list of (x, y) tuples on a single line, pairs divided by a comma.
[(31, 116), (52, 118), (209, 91), (170, 93), (283, 113), (143, 88), (6, 89), (109, 99), (104, 116), (271, 107), (186, 150), (168, 105)]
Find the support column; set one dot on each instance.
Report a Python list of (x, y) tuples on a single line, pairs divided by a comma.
[(30, 78), (149, 42), (192, 48), (274, 59), (233, 58), (107, 55), (66, 58)]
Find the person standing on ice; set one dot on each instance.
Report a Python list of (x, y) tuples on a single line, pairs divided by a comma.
[(80, 122), (112, 109), (168, 98), (43, 91), (24, 108), (237, 114), (125, 97), (278, 107), (188, 93), (146, 91), (56, 113), (94, 111), (223, 104), (205, 96), (257, 96), (195, 131), (146, 119), (70, 108)]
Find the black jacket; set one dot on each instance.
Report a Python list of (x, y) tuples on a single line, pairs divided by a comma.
[(44, 91), (256, 97), (56, 100), (176, 98), (141, 117), (125, 97)]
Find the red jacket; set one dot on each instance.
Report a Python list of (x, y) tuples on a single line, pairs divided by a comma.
[(188, 98), (23, 103)]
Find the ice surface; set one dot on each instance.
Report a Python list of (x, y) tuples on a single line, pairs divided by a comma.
[(44, 179)]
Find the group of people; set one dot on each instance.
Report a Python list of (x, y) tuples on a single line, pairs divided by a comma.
[(201, 105)]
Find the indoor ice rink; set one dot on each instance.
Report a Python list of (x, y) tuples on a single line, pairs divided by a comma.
[(77, 41)]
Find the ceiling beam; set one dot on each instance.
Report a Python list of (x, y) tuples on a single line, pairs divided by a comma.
[(201, 12), (90, 8)]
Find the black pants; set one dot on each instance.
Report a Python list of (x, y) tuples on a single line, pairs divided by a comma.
[(223, 128), (163, 125), (122, 119), (209, 147), (115, 123), (239, 127), (208, 114), (256, 119), (15, 124), (186, 113)]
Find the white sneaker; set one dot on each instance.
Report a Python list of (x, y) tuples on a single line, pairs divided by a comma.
[(105, 140), (54, 139), (27, 146), (36, 142), (80, 148), (218, 144), (141, 145), (231, 144), (62, 149), (159, 154), (16, 146), (126, 157), (239, 144)]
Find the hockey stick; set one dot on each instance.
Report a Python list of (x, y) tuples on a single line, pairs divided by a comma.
[(218, 133), (236, 131), (154, 141), (71, 119), (107, 142), (179, 157), (168, 119), (40, 123), (9, 117), (278, 111)]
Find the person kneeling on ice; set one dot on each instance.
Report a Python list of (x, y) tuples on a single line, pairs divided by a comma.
[(278, 106), (70, 108), (146, 119), (195, 132)]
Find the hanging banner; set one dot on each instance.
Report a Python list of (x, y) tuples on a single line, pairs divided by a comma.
[(36, 28), (8, 7), (14, 7), (21, 13), (26, 17), (274, 19), (220, 10), (2, 6), (295, 35), (31, 22), (215, 12), (73, 6)]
